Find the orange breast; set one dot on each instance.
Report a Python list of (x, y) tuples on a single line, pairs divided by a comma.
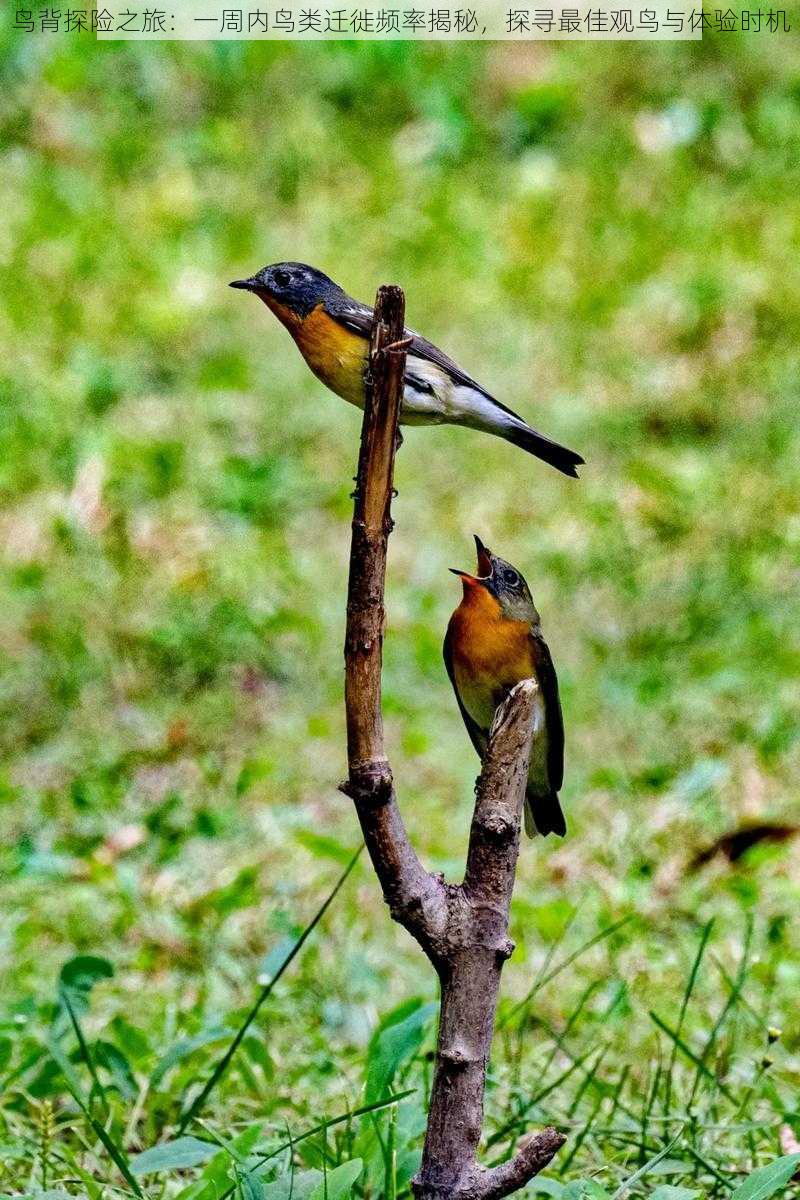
[(335, 355), (490, 653)]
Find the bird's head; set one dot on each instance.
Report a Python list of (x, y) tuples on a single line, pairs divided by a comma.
[(292, 290), (502, 581)]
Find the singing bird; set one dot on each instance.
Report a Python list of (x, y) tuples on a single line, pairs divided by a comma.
[(332, 332), (493, 641)]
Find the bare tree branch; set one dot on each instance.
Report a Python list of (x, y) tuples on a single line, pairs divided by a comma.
[(476, 948), (463, 929), (416, 899)]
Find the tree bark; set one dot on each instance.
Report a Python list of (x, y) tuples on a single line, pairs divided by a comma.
[(462, 928)]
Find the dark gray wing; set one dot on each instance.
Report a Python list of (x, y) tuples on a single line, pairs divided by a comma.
[(477, 735), (548, 682), (358, 318)]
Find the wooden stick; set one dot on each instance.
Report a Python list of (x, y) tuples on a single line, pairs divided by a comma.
[(463, 929)]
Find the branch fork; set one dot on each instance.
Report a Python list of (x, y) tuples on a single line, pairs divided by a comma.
[(463, 928)]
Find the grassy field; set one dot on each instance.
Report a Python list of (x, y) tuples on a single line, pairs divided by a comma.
[(606, 236)]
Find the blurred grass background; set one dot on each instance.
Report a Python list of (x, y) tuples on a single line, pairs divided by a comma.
[(607, 237)]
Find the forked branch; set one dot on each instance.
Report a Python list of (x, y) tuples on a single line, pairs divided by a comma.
[(463, 929)]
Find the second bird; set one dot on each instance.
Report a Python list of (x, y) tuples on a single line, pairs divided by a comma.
[(494, 640), (332, 332)]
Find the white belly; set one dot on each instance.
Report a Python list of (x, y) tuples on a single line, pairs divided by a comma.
[(426, 404), (416, 407), (437, 400), (447, 402), (422, 408)]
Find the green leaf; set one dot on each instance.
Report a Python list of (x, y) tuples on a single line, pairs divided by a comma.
[(250, 1186), (668, 1192), (245, 1142), (646, 1168), (766, 1181), (173, 1156), (393, 1044), (294, 1185), (183, 1048), (338, 1182), (8, 1150), (6, 1051), (107, 1055), (215, 1176), (241, 892), (322, 846), (548, 1187), (79, 975), (201, 1189), (136, 1043), (669, 1166), (584, 1189)]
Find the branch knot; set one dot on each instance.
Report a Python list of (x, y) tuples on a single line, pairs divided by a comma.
[(497, 825), (370, 784), (459, 1054)]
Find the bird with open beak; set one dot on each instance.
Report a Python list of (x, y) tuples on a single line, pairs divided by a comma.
[(493, 641)]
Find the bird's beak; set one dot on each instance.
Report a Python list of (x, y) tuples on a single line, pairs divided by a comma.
[(465, 576), (485, 566), (246, 285)]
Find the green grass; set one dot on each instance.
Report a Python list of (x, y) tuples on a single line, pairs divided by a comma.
[(607, 236)]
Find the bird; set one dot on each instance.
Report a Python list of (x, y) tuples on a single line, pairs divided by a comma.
[(332, 331), (494, 640)]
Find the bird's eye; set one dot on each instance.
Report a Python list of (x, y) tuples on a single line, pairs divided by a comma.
[(282, 278), (511, 578)]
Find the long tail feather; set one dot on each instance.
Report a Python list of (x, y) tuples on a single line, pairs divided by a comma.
[(543, 815), (542, 447)]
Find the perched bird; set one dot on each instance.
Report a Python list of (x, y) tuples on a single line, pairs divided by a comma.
[(493, 641), (332, 333)]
